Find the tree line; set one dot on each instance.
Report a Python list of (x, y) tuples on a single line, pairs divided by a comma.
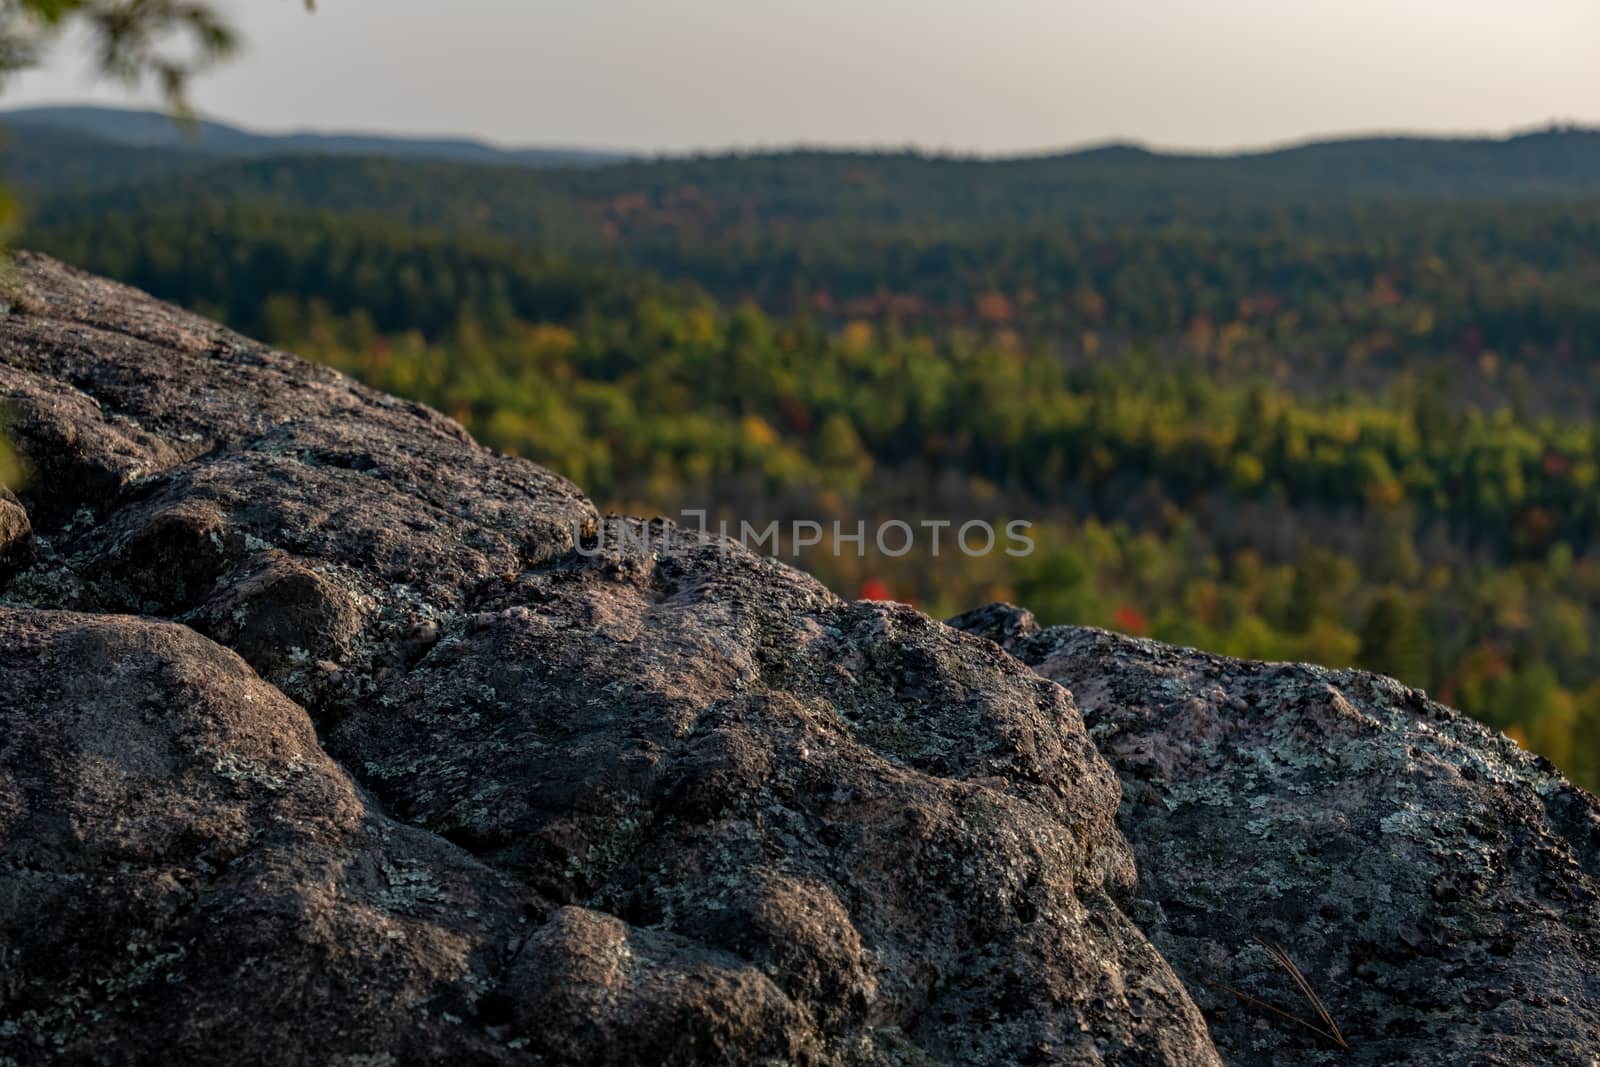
[(1358, 444)]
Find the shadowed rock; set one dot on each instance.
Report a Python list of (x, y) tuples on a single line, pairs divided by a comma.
[(1436, 884), (185, 876), (16, 533), (501, 782)]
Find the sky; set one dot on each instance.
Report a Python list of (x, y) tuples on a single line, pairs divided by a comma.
[(991, 76)]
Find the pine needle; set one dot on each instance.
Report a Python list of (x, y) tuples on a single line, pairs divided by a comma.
[(1300, 980), (1329, 1030)]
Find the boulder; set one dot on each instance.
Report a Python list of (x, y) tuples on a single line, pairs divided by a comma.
[(334, 737), (16, 533), (1436, 886)]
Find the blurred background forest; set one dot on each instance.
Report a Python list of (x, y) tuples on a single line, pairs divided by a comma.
[(1334, 403)]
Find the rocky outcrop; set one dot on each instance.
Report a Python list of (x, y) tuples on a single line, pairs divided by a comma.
[(1437, 886), (329, 736), (427, 762)]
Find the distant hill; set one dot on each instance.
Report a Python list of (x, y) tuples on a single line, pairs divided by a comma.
[(1163, 239), (1555, 161), (52, 162), (65, 151), (153, 129)]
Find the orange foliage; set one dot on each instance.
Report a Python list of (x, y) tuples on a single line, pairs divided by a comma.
[(994, 307), (1130, 620), (875, 589)]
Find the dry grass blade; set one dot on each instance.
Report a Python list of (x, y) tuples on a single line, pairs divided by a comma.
[(1328, 1030), (1274, 1009), (1300, 980)]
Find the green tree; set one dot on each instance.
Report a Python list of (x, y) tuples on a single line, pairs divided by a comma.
[(839, 447), (165, 40), (1393, 641)]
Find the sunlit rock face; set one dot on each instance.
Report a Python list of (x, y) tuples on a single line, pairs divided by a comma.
[(329, 736), (1435, 885)]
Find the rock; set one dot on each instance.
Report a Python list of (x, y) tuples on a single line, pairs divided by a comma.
[(332, 737), (608, 992), (1436, 884), (16, 534), (186, 877), (501, 781)]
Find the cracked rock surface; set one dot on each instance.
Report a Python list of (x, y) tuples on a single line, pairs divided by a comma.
[(1438, 887), (329, 736)]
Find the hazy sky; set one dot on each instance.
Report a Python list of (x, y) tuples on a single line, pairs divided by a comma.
[(991, 75)]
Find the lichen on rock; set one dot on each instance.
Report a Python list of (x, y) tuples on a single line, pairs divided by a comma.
[(1438, 886)]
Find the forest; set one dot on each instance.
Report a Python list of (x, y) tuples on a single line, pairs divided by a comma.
[(1331, 404)]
